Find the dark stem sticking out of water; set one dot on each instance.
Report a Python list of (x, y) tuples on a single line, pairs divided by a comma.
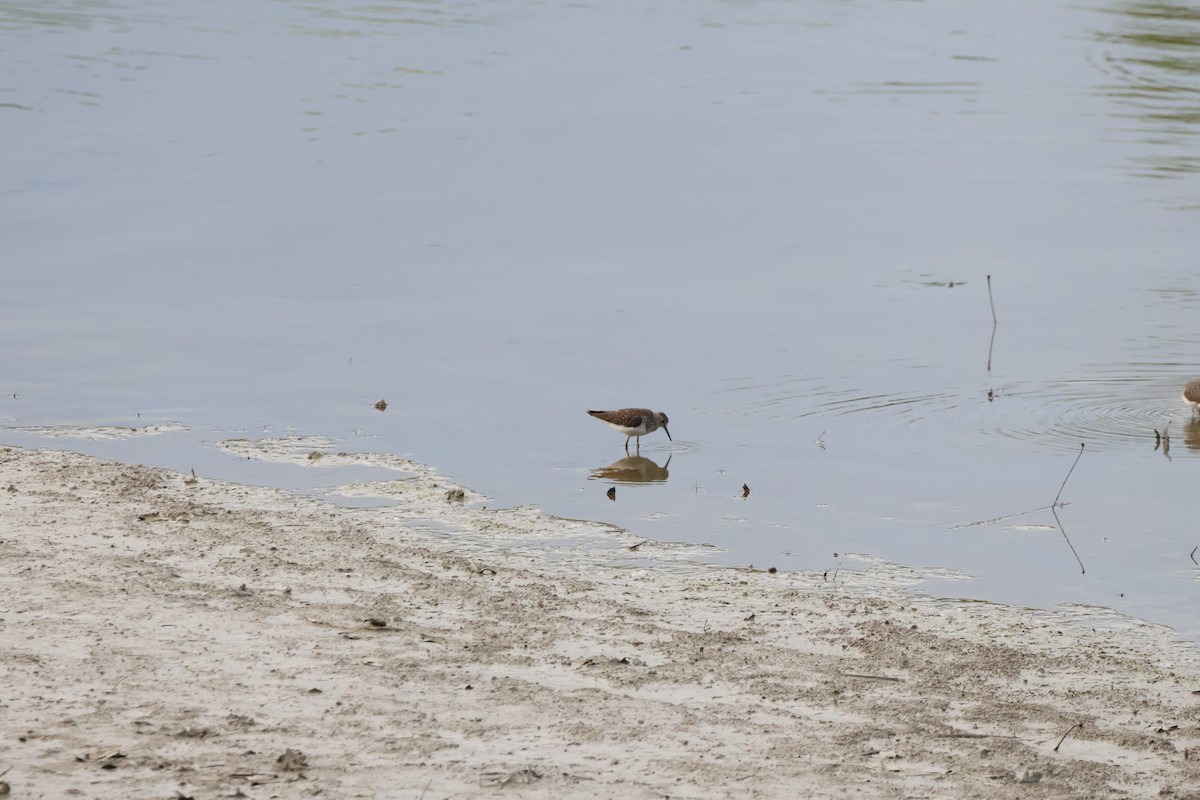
[(1072, 469), (990, 301), (992, 343)]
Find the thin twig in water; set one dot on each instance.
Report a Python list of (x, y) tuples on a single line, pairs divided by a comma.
[(1064, 483), (1001, 518), (1192, 555), (1064, 736), (992, 304)]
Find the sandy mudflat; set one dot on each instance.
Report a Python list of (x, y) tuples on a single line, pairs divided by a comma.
[(163, 638)]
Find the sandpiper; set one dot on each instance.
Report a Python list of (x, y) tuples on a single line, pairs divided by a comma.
[(636, 422), (1191, 394)]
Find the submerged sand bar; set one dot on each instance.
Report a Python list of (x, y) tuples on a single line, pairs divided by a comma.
[(162, 637)]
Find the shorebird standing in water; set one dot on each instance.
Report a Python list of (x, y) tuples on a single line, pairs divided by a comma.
[(1191, 395), (634, 422)]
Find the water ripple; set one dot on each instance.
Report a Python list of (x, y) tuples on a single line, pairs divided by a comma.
[(1114, 406), (1103, 411)]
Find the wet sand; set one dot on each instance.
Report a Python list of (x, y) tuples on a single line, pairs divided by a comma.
[(164, 636)]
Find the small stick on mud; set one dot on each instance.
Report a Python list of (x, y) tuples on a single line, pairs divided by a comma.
[(964, 735), (1064, 736), (872, 677)]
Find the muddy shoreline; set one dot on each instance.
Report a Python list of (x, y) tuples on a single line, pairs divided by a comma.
[(167, 636)]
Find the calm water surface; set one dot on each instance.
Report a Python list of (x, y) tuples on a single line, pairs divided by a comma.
[(773, 221)]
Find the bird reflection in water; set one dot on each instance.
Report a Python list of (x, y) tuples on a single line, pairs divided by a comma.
[(633, 469), (1191, 433)]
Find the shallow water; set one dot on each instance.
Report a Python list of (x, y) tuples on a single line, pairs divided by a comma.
[(773, 221)]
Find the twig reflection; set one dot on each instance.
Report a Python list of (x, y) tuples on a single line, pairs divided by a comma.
[(991, 343)]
